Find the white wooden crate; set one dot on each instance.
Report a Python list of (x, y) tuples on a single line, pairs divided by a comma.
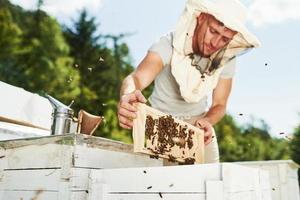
[(202, 182), (283, 177), (57, 167)]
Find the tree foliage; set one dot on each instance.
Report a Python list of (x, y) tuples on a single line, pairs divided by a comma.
[(38, 54), (101, 71), (247, 143), (295, 145)]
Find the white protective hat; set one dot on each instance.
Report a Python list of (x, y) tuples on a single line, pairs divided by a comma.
[(230, 12)]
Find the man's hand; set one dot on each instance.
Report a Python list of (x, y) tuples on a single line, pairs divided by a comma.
[(208, 129), (126, 110)]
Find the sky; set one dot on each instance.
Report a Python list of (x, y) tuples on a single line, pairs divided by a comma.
[(267, 83)]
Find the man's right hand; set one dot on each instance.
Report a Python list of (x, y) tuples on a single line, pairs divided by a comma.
[(126, 110)]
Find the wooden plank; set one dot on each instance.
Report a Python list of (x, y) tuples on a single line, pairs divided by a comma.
[(267, 195), (35, 180), (57, 139), (55, 156), (35, 156), (64, 192), (245, 195), (46, 179), (79, 179), (28, 195), (99, 158), (264, 180), (39, 195), (239, 178), (70, 139), (67, 161), (159, 179), (282, 173), (214, 190), (155, 196), (293, 190), (98, 191), (56, 151)]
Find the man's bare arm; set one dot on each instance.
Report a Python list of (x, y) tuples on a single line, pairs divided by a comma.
[(219, 101), (132, 86), (143, 76), (217, 109)]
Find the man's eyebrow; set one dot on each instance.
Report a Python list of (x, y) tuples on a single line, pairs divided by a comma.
[(220, 23)]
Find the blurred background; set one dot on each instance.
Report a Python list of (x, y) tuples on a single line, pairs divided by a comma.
[(82, 50)]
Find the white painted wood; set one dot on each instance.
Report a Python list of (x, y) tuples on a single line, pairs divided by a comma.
[(160, 179), (56, 155), (175, 182), (28, 195), (214, 190), (67, 161), (82, 151), (264, 180), (293, 192), (47, 179), (39, 195), (283, 178), (239, 178), (207, 180), (2, 162), (97, 189), (283, 173), (79, 157), (245, 195), (34, 156), (64, 192), (79, 180), (100, 158), (156, 196)]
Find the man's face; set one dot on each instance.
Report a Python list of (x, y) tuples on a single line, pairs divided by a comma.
[(210, 35)]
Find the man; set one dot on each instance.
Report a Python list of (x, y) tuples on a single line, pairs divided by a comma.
[(189, 64)]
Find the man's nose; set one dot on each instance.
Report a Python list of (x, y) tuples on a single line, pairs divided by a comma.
[(216, 41)]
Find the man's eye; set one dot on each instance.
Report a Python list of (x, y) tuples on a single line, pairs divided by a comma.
[(213, 30), (225, 40)]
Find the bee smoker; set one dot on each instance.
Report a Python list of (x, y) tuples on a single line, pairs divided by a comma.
[(63, 121)]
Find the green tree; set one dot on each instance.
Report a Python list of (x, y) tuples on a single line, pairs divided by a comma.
[(295, 148), (42, 63), (295, 145), (248, 143), (101, 70), (9, 42)]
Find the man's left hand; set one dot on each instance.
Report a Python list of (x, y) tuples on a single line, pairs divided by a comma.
[(208, 129)]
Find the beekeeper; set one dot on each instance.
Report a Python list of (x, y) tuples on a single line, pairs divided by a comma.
[(194, 62)]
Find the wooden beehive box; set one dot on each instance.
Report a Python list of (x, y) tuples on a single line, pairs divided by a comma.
[(57, 167), (283, 177), (191, 182), (158, 134)]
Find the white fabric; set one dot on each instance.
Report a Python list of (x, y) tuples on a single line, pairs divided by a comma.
[(232, 14), (22, 106), (166, 95)]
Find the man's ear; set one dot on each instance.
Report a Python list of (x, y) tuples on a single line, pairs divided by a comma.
[(202, 18)]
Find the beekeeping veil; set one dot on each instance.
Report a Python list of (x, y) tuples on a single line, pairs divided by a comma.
[(196, 75)]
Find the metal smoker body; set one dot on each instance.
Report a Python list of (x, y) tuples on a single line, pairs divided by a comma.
[(62, 118)]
